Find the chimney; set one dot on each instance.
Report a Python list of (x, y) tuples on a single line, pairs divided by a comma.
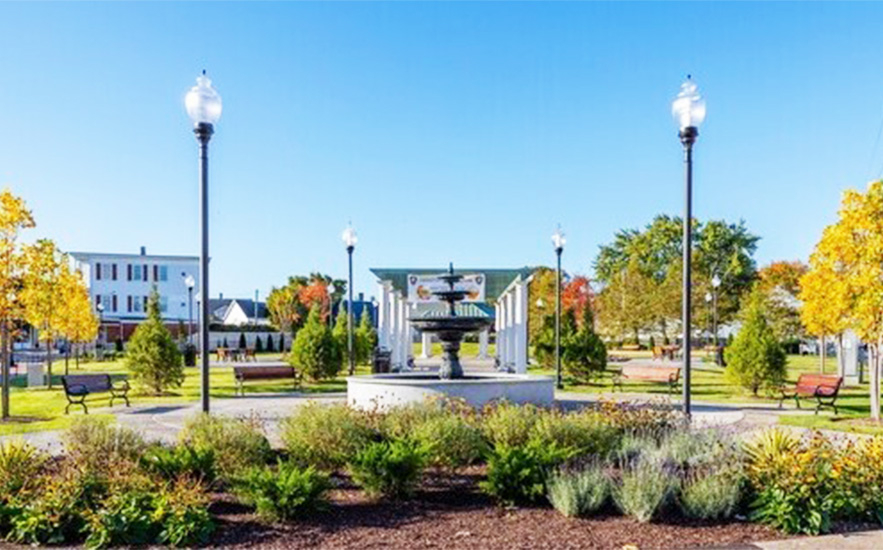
[(144, 251), (222, 296)]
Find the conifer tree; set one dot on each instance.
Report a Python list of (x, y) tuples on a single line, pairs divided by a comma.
[(366, 339), (315, 350), (755, 359), (584, 353), (152, 355)]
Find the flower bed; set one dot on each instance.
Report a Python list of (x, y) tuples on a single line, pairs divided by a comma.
[(437, 472)]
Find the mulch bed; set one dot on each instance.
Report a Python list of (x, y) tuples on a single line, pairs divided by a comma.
[(450, 512)]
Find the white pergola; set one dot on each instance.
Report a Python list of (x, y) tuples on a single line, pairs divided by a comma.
[(511, 326)]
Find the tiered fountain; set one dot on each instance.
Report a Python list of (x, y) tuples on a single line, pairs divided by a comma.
[(381, 391)]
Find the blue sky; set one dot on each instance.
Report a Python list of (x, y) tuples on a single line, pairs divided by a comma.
[(445, 131)]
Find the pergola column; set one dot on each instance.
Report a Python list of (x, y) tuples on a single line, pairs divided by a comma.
[(483, 344), (383, 316), (394, 329), (510, 332), (520, 327), (426, 345)]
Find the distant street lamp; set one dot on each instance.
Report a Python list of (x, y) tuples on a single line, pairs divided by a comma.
[(715, 285), (204, 108), (688, 109), (100, 309), (349, 240), (558, 242), (189, 282), (708, 299)]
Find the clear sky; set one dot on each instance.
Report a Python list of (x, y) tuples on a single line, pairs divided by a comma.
[(446, 132)]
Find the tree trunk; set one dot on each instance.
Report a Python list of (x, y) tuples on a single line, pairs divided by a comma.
[(4, 369), (874, 367), (77, 358), (49, 362), (841, 361), (822, 355)]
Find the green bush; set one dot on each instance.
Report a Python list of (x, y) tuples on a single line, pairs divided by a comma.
[(236, 443), (579, 493), (52, 514), (20, 464), (96, 443), (711, 495), (315, 351), (643, 488), (171, 463), (125, 517), (181, 509), (388, 469), (755, 359), (584, 432), (449, 441), (325, 436), (508, 425), (152, 354), (283, 493), (366, 339), (584, 354), (518, 475)]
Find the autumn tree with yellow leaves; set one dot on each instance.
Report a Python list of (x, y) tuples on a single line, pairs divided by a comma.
[(843, 288), (14, 217), (79, 324)]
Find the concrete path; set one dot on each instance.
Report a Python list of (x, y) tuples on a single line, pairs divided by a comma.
[(863, 540)]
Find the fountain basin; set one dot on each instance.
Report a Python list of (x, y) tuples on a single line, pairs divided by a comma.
[(383, 391)]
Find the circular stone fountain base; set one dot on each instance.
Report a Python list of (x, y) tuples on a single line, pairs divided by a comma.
[(382, 391)]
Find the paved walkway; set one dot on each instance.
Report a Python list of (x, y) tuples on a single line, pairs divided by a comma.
[(863, 540)]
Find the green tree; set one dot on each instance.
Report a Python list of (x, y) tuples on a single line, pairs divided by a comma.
[(341, 324), (315, 350), (152, 355), (258, 344), (271, 347), (584, 353), (366, 339), (242, 341), (755, 359)]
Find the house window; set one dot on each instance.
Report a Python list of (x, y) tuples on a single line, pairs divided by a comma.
[(163, 273), (129, 304), (163, 304), (155, 273), (113, 271), (98, 272), (113, 301), (136, 273), (137, 304)]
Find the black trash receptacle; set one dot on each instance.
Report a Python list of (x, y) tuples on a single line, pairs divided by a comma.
[(380, 363)]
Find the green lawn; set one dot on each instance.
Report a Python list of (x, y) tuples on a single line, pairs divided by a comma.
[(43, 409), (708, 384)]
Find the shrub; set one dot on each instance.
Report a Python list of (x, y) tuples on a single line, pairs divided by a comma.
[(152, 354), (315, 350), (711, 495), (124, 517), (518, 474), (579, 493), (242, 341), (642, 489), (53, 514), (258, 344), (859, 480), (270, 346), (366, 338), (325, 436), (283, 493), (449, 441), (584, 433), (181, 509), (508, 425), (20, 464), (388, 469), (796, 490), (583, 352), (236, 443), (96, 443), (653, 418), (755, 359), (182, 460)]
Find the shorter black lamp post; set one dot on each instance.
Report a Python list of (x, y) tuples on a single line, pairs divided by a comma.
[(349, 240), (100, 309), (190, 283), (558, 242)]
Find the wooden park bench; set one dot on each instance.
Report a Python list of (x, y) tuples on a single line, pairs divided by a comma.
[(264, 373), (79, 386), (824, 388), (668, 375)]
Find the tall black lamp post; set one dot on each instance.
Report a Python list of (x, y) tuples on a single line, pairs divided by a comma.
[(558, 241), (204, 108), (100, 309), (688, 109), (349, 240)]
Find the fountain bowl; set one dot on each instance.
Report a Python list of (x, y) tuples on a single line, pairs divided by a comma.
[(385, 391)]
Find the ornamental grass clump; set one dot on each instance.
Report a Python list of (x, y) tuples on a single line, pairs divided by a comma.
[(170, 463), (284, 492), (449, 441), (585, 432), (20, 464), (580, 492), (326, 436), (505, 424), (711, 494), (388, 469), (96, 444)]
